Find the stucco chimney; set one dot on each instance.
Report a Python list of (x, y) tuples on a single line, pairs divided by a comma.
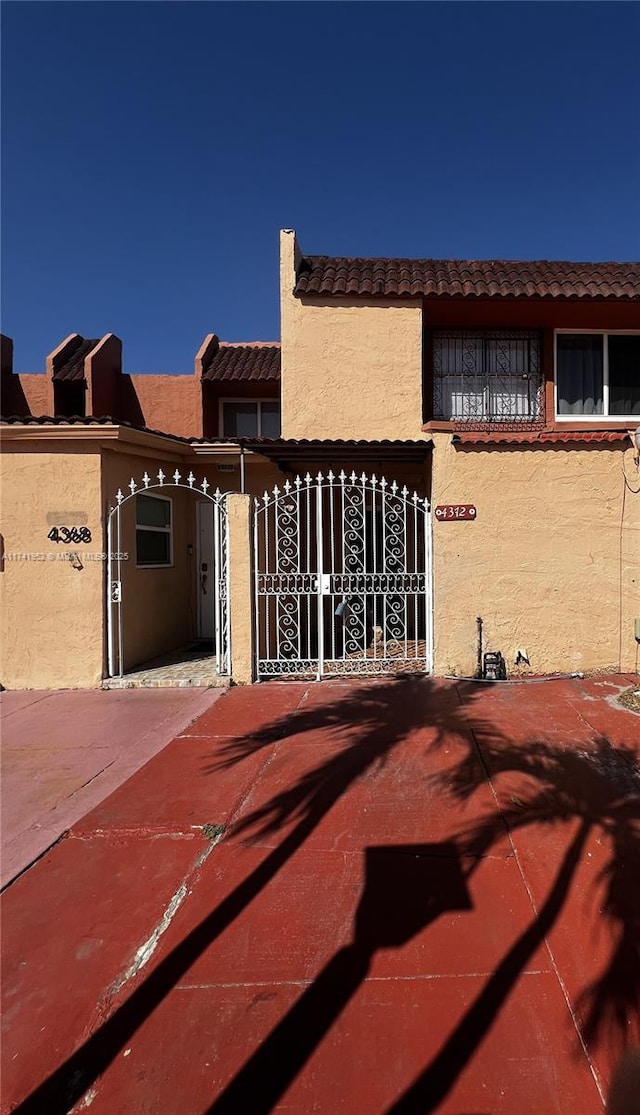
[(102, 370), (290, 258), (207, 350), (6, 354), (62, 353)]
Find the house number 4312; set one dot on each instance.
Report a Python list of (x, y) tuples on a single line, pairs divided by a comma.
[(69, 534), (450, 511)]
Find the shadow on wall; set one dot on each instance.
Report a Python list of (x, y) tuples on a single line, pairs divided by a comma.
[(595, 790), (128, 401)]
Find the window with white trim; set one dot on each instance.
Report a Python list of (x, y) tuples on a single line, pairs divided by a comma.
[(597, 375), (488, 376), (250, 418), (154, 531)]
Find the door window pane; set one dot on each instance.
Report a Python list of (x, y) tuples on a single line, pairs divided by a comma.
[(624, 375), (580, 368)]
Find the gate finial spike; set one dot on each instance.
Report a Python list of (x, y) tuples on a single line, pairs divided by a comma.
[(307, 479), (161, 476), (119, 496), (191, 479), (353, 477), (342, 476), (405, 491), (319, 478), (287, 487), (177, 477), (146, 479), (394, 488), (297, 482), (205, 484), (374, 479), (132, 485), (363, 477), (276, 490), (330, 476), (383, 482)]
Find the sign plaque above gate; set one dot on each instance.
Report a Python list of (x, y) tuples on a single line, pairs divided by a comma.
[(447, 512)]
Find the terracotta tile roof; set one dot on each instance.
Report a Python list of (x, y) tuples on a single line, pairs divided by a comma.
[(540, 437), (287, 452), (332, 276), (258, 361), (76, 420), (73, 367)]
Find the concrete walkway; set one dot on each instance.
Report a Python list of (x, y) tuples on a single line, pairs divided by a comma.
[(390, 896), (64, 752)]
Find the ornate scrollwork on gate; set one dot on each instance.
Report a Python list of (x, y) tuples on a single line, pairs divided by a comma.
[(342, 577)]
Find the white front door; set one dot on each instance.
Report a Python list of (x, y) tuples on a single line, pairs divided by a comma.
[(206, 570)]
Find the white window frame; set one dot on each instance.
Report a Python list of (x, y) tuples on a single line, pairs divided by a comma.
[(259, 403), (157, 530), (605, 416)]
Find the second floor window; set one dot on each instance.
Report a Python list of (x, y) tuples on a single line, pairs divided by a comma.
[(597, 374), (250, 418), (481, 376)]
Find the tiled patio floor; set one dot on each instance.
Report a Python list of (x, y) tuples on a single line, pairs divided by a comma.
[(183, 669)]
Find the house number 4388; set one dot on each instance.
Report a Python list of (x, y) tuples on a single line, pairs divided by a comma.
[(69, 534)]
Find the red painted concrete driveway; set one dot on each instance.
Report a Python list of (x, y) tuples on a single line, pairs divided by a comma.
[(390, 896), (63, 752)]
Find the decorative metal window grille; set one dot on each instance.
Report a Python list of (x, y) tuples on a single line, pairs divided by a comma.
[(487, 377)]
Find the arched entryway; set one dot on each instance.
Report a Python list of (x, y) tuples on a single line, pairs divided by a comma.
[(153, 542)]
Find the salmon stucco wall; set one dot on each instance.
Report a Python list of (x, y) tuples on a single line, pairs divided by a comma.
[(172, 404), (51, 612), (551, 562), (350, 369), (38, 393)]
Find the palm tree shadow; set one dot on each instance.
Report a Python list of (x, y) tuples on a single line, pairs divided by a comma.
[(368, 722), (597, 788), (407, 887), (585, 790)]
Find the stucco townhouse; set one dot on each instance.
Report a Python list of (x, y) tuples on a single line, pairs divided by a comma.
[(435, 470)]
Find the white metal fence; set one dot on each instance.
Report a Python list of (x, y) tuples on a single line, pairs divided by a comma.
[(342, 578)]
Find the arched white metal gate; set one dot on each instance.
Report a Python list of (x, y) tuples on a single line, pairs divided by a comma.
[(115, 621), (342, 578)]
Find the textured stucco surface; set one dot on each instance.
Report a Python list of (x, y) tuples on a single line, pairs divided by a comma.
[(38, 392), (170, 403), (240, 588), (349, 369), (550, 563), (51, 622)]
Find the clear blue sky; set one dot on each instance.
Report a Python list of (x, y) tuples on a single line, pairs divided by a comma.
[(151, 152)]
